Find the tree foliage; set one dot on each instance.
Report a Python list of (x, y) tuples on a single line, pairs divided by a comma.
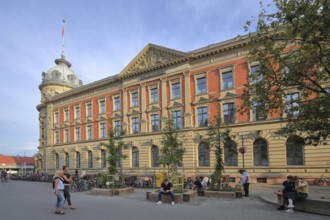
[(217, 139), (172, 151), (292, 47), (114, 146)]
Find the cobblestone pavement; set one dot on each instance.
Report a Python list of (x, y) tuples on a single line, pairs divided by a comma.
[(33, 201)]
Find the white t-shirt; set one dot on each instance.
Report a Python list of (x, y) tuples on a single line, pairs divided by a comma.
[(245, 178)]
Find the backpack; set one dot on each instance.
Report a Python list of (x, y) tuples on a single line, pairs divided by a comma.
[(54, 181)]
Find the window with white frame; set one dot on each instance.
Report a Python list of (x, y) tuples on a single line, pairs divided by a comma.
[(176, 90), (67, 159), (89, 132), (292, 104), (260, 153), (227, 80), (66, 114), (135, 157), (90, 159), (135, 99), (177, 119), (255, 74), (230, 153), (77, 133), (203, 155), (258, 111), (89, 109), (229, 113), (202, 116), (77, 159), (201, 85), (57, 137), (295, 150), (155, 122), (102, 106), (57, 161), (56, 118), (135, 125), (117, 128), (66, 135), (77, 112), (117, 103), (154, 156), (103, 130), (154, 95), (120, 157)]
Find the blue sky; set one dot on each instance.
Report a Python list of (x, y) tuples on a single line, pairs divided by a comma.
[(101, 38)]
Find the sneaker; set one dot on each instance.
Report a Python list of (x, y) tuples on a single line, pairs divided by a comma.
[(159, 202), (290, 210), (172, 203), (290, 206)]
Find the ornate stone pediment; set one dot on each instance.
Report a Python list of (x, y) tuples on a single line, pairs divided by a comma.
[(229, 95), (175, 105), (151, 56)]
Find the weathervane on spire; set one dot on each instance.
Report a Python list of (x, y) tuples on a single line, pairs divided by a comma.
[(62, 55)]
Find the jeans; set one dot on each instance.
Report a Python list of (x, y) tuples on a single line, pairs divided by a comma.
[(60, 199), (246, 189), (160, 195)]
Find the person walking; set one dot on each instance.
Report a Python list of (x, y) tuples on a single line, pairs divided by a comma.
[(165, 188), (245, 181), (67, 181), (58, 186)]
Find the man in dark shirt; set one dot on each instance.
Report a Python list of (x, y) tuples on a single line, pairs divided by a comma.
[(165, 188), (197, 184), (67, 180)]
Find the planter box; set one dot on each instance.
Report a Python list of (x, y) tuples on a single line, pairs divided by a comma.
[(112, 192), (219, 194), (153, 197), (189, 196)]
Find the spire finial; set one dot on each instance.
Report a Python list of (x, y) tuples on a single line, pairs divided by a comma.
[(62, 55)]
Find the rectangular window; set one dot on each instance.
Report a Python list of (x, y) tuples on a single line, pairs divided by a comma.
[(103, 131), (117, 104), (155, 122), (66, 114), (154, 95), (77, 112), (135, 125), (227, 80), (78, 160), (135, 99), (102, 106), (202, 116), (56, 118), (66, 134), (292, 104), (77, 134), (90, 159), (177, 119), (176, 90), (258, 111), (117, 128), (89, 109), (57, 137), (89, 132), (67, 160), (201, 85), (103, 158), (255, 74), (229, 112)]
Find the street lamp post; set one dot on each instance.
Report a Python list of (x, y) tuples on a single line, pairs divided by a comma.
[(242, 150)]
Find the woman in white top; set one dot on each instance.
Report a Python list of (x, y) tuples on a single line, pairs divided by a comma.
[(59, 192)]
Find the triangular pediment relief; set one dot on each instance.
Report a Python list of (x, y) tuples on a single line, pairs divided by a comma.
[(153, 109), (152, 56), (102, 118), (176, 105), (201, 100), (134, 112), (89, 120), (229, 95), (76, 123), (117, 115), (66, 124)]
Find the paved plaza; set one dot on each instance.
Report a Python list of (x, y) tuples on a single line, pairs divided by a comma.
[(34, 200)]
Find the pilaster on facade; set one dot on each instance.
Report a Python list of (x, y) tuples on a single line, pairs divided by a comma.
[(143, 107), (163, 100), (187, 108), (125, 106)]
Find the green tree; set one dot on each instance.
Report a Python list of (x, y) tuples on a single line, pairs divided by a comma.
[(216, 139), (292, 47), (114, 146), (172, 151)]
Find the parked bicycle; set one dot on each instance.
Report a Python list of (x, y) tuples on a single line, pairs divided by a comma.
[(322, 181)]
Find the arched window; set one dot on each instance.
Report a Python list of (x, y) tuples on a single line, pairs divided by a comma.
[(203, 155), (154, 156), (295, 150), (103, 158), (57, 161), (230, 151), (260, 153), (135, 157), (90, 159), (67, 160), (78, 160)]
